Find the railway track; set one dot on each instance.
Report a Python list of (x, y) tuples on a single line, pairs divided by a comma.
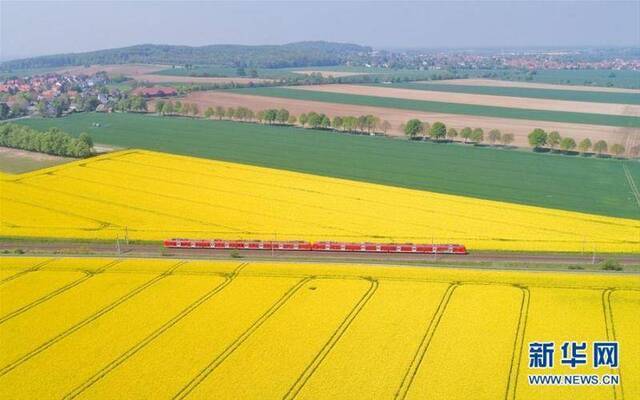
[(156, 250)]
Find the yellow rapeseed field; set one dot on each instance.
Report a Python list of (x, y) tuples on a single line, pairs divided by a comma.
[(163, 329), (152, 196)]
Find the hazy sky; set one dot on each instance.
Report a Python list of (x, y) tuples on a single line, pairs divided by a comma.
[(49, 27)]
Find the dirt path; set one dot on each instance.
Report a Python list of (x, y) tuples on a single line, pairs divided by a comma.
[(480, 99), (520, 128)]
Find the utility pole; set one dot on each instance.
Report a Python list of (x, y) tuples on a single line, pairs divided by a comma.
[(118, 245)]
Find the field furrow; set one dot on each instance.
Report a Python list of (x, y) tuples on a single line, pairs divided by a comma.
[(71, 361), (62, 313), (19, 294), (559, 315), (211, 328), (480, 360), (276, 355), (154, 328), (625, 310), (372, 365)]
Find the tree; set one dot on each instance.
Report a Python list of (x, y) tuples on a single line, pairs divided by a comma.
[(466, 133), (584, 145), (186, 108), (617, 149), (292, 120), (177, 107), (337, 122), (85, 138), (553, 139), (634, 151), (600, 147), (260, 115), (19, 107), (362, 123), (412, 128), (314, 119), (325, 122), (208, 113), (537, 138), (425, 129), (231, 113), (350, 123), (240, 113), (282, 115), (385, 126), (452, 133), (168, 108), (567, 144), (41, 107), (494, 136), (371, 122), (303, 119), (438, 131), (477, 135), (506, 139), (271, 115), (219, 112), (159, 106)]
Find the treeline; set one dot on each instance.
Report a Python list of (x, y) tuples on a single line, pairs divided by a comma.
[(438, 131), (53, 141), (163, 107), (131, 104), (539, 139), (369, 124), (301, 54)]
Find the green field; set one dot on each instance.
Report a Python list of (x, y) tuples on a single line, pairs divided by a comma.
[(446, 108), (20, 73), (377, 74), (13, 164), (582, 77), (572, 183), (220, 71), (535, 93)]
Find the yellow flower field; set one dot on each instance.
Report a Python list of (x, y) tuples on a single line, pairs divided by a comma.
[(153, 196), (162, 329)]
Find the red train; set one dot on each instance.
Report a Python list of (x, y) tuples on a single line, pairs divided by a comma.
[(316, 246)]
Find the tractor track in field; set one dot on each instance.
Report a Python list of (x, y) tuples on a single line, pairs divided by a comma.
[(632, 184), (97, 314)]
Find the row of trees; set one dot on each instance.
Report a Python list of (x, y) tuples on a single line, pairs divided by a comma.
[(176, 108), (53, 141), (361, 124), (131, 103), (539, 138), (416, 129)]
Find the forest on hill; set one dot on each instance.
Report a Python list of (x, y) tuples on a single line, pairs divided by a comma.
[(299, 54)]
